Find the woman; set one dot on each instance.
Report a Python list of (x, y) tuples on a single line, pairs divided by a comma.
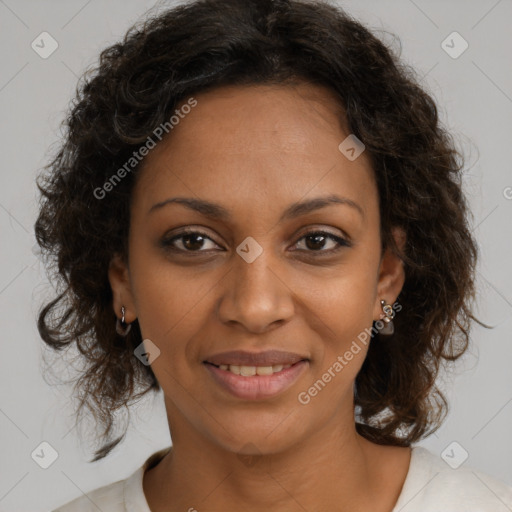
[(257, 211)]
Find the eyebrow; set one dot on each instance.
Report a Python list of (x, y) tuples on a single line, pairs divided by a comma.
[(218, 212)]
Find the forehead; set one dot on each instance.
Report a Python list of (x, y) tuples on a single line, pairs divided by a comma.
[(262, 144)]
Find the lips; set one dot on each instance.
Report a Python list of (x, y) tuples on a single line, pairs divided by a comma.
[(256, 375), (256, 387), (243, 358)]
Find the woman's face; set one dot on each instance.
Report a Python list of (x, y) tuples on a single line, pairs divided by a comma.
[(269, 267)]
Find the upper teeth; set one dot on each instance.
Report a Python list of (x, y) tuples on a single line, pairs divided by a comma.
[(249, 371)]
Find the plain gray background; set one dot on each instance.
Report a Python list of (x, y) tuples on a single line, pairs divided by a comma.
[(474, 93)]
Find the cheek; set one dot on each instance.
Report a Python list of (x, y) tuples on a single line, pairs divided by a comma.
[(343, 314), (171, 319), (170, 305)]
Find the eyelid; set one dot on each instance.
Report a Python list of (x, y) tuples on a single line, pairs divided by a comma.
[(166, 241), (322, 229), (342, 241)]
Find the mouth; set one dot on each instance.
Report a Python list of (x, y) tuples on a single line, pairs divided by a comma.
[(250, 371), (256, 376), (257, 359)]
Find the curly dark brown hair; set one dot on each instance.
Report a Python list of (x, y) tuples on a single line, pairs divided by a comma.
[(210, 43)]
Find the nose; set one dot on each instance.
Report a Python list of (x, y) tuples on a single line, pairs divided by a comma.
[(255, 296)]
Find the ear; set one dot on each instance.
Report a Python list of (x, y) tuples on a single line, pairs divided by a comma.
[(119, 278), (391, 275)]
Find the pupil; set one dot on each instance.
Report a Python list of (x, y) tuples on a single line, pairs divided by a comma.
[(317, 239), (198, 245)]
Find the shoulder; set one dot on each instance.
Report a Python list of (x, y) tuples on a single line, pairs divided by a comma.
[(120, 496), (109, 497), (433, 485)]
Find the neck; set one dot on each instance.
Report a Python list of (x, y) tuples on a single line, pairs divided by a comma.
[(335, 468)]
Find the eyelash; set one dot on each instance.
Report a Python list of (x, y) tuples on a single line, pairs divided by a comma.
[(169, 243)]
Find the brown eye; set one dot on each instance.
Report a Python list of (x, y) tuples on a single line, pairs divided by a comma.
[(188, 241), (196, 241), (193, 242), (316, 241)]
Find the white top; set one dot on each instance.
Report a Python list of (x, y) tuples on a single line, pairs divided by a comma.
[(431, 485)]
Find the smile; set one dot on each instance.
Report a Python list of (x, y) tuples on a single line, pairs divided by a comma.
[(250, 371), (256, 382)]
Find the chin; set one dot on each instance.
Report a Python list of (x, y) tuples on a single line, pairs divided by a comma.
[(258, 433)]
